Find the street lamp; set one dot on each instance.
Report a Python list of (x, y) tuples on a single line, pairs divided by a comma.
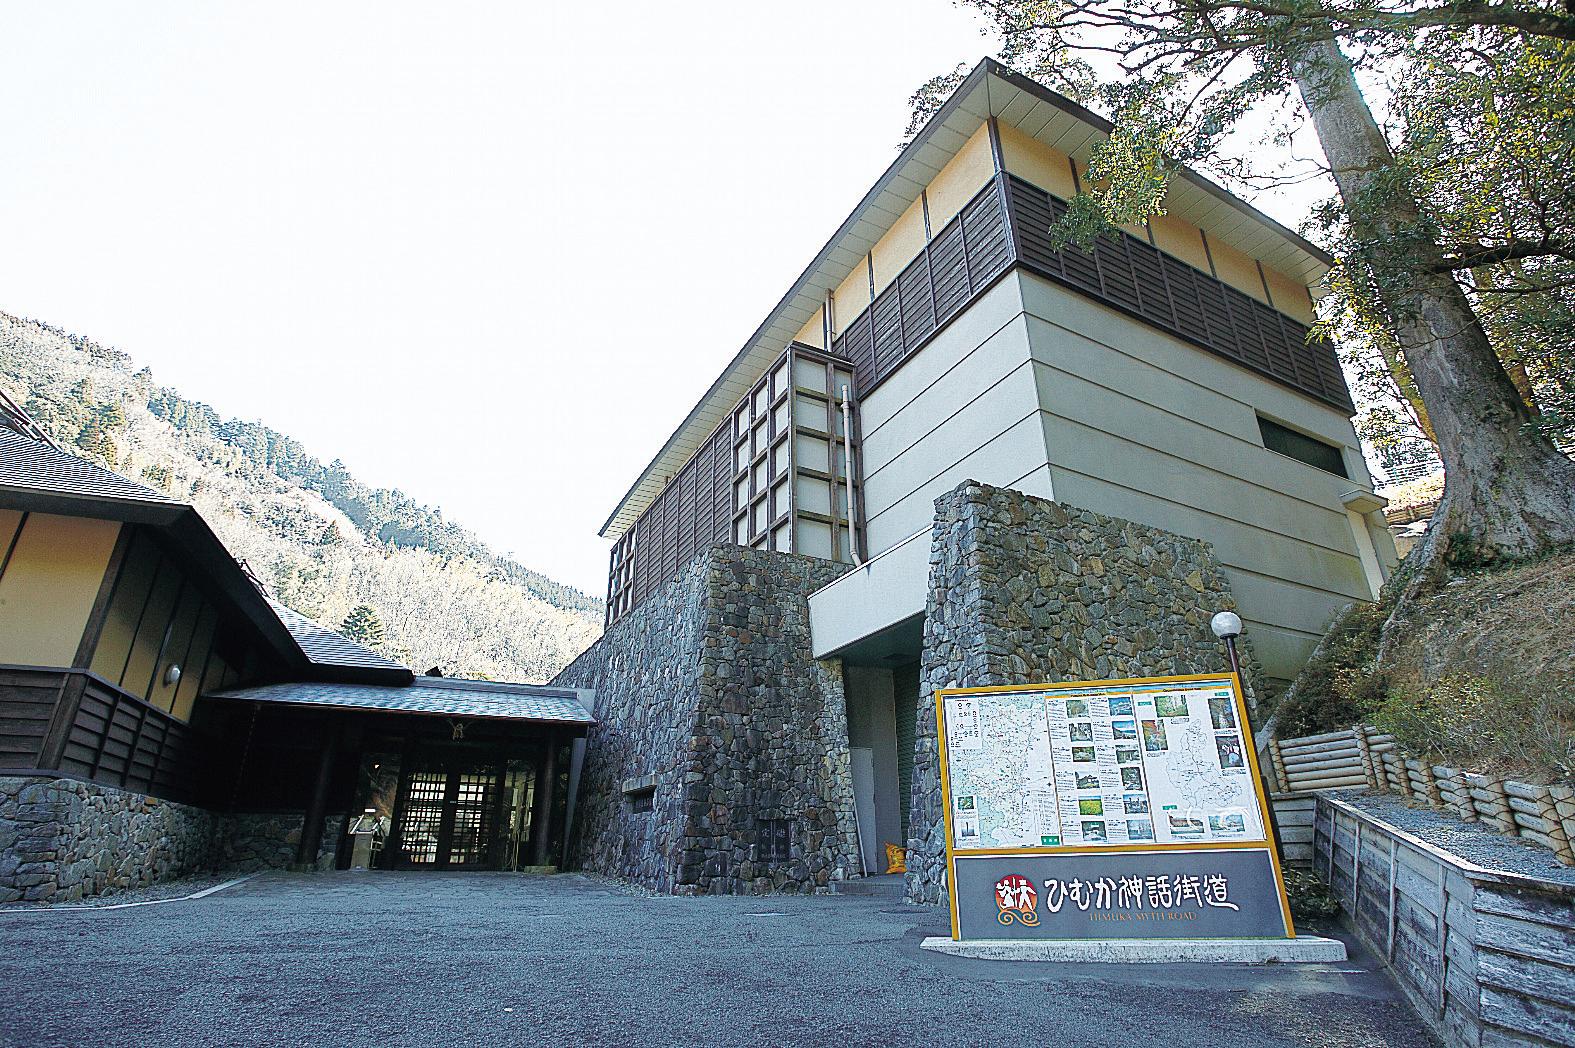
[(1227, 627)]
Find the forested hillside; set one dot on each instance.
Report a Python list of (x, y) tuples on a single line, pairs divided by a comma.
[(412, 583)]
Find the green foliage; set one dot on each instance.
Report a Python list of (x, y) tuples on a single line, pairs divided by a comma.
[(1336, 688), (1310, 898), (1497, 721), (331, 535), (363, 626)]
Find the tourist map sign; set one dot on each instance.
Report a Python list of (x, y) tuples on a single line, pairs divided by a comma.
[(1107, 809)]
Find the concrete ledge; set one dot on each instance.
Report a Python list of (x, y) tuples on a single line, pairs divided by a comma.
[(1305, 949)]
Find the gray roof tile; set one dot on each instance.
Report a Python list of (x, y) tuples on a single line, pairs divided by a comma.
[(28, 463), (324, 647), (446, 696)]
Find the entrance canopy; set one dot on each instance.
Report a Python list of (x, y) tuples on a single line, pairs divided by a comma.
[(436, 696)]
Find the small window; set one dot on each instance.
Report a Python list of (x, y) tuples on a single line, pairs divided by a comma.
[(1301, 447), (774, 843), (642, 800)]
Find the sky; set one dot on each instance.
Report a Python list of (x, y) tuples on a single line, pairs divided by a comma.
[(488, 254)]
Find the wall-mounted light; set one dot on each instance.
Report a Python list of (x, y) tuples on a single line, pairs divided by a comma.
[(172, 675)]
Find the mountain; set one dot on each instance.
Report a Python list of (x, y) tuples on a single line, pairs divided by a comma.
[(317, 538)]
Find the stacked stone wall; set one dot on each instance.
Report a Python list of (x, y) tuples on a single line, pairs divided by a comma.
[(1024, 591), (708, 695), (63, 840)]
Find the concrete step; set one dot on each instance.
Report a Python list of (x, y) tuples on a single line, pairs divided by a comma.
[(890, 885)]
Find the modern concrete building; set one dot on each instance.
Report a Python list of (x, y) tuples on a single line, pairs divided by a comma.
[(160, 714), (1163, 380)]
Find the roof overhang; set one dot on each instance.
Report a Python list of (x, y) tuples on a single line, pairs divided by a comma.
[(431, 697), (991, 89)]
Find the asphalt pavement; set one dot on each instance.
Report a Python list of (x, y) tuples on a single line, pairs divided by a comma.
[(394, 959)]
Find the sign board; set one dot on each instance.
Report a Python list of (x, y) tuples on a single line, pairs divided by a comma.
[(1107, 809)]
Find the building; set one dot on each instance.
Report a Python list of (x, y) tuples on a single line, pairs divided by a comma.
[(160, 714), (926, 467)]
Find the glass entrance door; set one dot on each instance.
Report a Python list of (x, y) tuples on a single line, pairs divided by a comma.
[(448, 816)]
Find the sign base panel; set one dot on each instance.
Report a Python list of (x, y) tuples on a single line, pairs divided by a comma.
[(1304, 949)]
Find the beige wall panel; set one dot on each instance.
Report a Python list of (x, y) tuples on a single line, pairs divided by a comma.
[(1078, 316), (814, 332), (1049, 169), (182, 628), (902, 244), (125, 608), (1014, 459), (1179, 238), (49, 587), (961, 179), (1237, 269), (10, 521), (1290, 297), (196, 662), (150, 632), (852, 297)]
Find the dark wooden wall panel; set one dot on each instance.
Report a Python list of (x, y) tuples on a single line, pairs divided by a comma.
[(27, 705), (105, 735)]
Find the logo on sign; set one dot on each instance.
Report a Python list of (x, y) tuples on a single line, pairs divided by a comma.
[(1017, 899)]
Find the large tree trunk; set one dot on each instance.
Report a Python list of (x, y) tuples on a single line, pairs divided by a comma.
[(1508, 492)]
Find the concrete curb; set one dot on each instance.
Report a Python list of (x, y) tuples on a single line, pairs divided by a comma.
[(1304, 949)]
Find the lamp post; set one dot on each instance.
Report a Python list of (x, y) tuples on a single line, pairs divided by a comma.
[(1227, 627)]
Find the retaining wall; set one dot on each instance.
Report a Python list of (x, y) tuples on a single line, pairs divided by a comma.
[(1486, 957), (62, 840), (1361, 756)]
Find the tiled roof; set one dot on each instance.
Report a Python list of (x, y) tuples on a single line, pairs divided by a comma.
[(445, 696), (33, 465), (324, 647)]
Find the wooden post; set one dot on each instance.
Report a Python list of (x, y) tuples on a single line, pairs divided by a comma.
[(541, 810), (1277, 763), (317, 805), (1364, 748)]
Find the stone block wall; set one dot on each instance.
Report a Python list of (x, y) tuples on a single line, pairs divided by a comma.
[(1023, 591), (62, 840), (252, 841), (708, 693)]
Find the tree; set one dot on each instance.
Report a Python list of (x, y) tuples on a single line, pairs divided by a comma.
[(331, 536), (363, 626), (1190, 70)]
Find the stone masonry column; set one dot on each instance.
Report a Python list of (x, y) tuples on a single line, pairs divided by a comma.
[(1024, 590)]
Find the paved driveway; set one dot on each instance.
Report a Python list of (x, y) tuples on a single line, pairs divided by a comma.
[(393, 959)]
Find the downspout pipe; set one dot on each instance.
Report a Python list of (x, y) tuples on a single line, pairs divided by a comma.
[(847, 469)]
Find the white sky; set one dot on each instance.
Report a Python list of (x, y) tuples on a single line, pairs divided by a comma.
[(489, 254)]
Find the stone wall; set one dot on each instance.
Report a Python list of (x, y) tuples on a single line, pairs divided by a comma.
[(251, 841), (62, 840), (1024, 590), (707, 694)]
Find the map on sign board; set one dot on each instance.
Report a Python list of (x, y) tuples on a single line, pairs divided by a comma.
[(1115, 763)]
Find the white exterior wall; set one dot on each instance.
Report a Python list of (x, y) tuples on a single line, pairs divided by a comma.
[(1042, 389), (963, 407)]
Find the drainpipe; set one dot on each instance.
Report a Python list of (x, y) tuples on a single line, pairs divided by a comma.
[(847, 467)]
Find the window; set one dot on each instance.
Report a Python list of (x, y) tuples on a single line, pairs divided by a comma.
[(642, 800), (774, 842), (1301, 447)]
